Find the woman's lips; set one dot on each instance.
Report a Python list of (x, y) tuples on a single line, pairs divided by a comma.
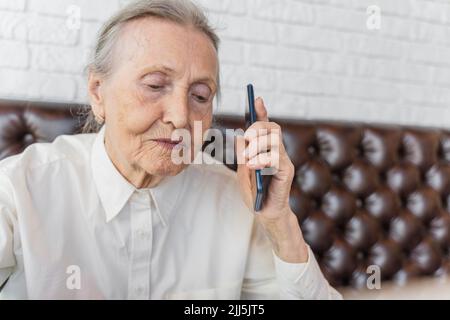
[(168, 143)]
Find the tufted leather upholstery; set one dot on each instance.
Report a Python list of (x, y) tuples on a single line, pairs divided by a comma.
[(364, 194), (370, 195), (23, 123)]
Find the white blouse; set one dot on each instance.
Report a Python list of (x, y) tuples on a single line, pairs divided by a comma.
[(71, 227)]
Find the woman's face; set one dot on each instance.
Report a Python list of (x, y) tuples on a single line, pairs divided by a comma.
[(163, 78)]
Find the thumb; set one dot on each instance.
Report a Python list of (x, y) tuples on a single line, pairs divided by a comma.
[(261, 111)]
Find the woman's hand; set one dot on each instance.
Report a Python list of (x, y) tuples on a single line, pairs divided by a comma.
[(262, 147)]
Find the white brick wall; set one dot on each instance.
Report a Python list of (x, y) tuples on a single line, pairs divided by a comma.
[(311, 59)]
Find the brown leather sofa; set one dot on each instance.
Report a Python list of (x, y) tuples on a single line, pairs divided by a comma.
[(364, 194)]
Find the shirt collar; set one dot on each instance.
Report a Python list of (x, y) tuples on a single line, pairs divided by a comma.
[(168, 193), (114, 190)]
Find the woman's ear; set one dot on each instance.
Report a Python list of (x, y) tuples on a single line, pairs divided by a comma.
[(95, 82)]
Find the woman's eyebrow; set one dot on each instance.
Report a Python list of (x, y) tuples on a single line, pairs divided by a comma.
[(158, 68), (170, 71), (207, 80)]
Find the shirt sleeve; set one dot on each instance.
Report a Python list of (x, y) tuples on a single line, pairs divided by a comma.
[(269, 277), (303, 280), (7, 259)]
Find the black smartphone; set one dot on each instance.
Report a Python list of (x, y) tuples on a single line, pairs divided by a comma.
[(261, 182)]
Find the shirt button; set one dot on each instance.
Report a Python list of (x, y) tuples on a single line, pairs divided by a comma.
[(142, 233)]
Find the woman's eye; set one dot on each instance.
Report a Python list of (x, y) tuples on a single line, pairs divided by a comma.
[(201, 93), (200, 98), (155, 86)]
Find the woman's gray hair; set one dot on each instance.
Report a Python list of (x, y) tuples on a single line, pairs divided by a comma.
[(183, 12)]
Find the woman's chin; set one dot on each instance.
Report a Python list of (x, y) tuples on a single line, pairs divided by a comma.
[(165, 168)]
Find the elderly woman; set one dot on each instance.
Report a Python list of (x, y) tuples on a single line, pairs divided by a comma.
[(109, 215)]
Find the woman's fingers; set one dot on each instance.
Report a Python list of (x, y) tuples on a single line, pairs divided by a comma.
[(264, 160), (270, 142), (261, 128)]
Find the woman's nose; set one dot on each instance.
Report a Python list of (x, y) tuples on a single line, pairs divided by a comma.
[(176, 110)]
